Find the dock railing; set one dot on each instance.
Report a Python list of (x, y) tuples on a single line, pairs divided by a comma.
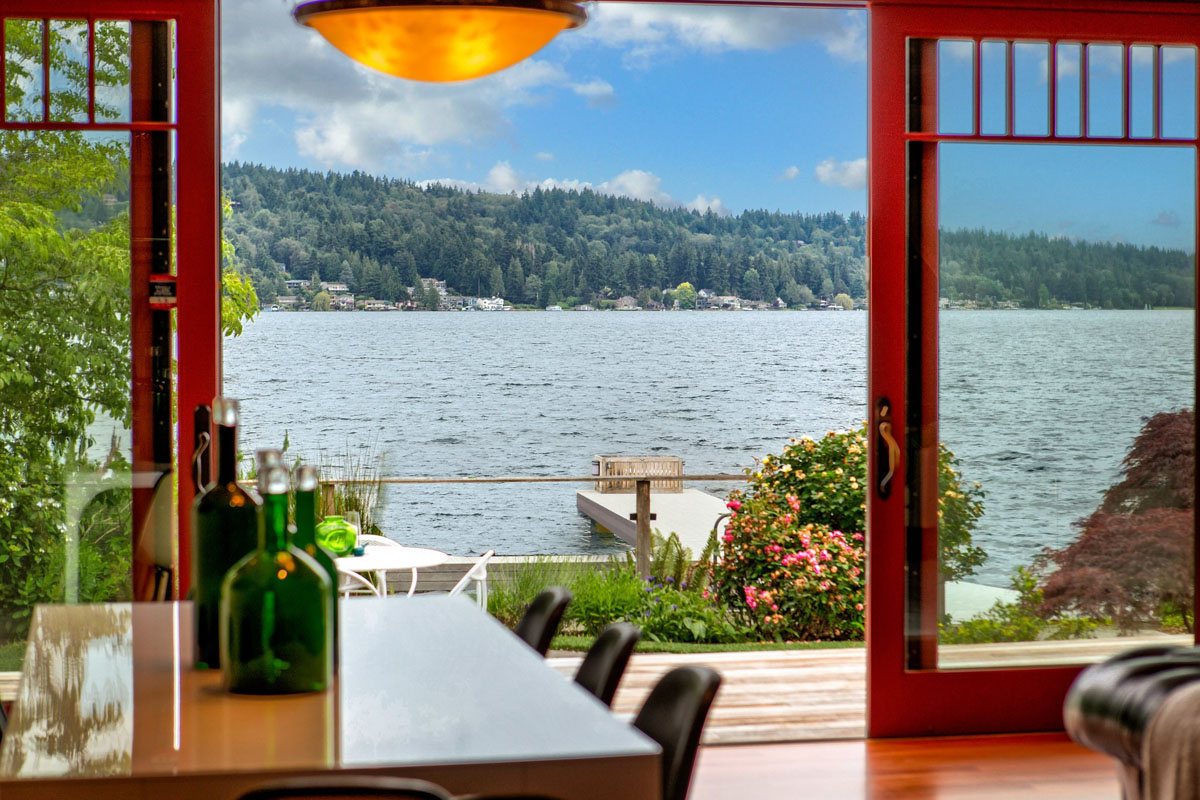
[(642, 515)]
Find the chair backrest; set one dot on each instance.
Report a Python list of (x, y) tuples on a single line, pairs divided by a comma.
[(478, 574), (605, 662), (540, 622), (342, 786), (352, 582), (673, 715)]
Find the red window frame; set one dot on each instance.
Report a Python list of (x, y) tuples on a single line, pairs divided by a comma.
[(907, 694), (198, 271)]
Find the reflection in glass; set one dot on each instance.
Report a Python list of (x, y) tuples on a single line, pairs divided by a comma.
[(1105, 90), (956, 86), (65, 497), (1031, 88), (1066, 395), (74, 715), (1067, 95), (1179, 92), (993, 93), (1141, 91)]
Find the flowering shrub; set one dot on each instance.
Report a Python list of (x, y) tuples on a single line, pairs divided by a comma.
[(793, 554)]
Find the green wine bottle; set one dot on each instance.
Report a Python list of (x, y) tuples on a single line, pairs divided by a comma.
[(224, 528), (305, 535), (276, 609)]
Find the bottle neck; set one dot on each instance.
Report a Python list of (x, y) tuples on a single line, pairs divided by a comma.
[(226, 453), (273, 531), (306, 519)]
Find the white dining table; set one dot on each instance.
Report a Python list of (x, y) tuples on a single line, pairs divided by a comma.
[(110, 708), (379, 559)]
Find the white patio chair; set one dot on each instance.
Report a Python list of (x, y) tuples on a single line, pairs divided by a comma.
[(477, 574), (353, 583)]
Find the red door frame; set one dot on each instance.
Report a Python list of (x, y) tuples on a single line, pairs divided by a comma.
[(198, 265), (907, 695)]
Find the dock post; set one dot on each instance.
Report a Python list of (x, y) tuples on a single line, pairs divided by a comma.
[(327, 495), (643, 546)]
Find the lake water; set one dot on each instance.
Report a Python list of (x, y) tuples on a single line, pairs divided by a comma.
[(1041, 406)]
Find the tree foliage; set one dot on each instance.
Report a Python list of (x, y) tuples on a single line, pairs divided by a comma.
[(546, 246), (793, 556), (65, 319), (1133, 560), (1039, 271)]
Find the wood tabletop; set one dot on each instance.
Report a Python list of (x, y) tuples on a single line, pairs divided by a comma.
[(428, 687)]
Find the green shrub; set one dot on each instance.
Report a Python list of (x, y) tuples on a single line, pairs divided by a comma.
[(604, 596), (793, 556), (675, 613), (508, 597), (1019, 621)]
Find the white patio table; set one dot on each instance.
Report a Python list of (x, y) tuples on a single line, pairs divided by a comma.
[(381, 559)]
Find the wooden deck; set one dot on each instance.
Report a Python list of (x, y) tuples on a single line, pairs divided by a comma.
[(796, 695), (690, 514)]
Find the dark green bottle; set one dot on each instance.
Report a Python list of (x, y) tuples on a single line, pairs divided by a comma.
[(305, 535), (276, 609), (224, 529)]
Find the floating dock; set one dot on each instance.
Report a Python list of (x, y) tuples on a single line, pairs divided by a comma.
[(689, 513)]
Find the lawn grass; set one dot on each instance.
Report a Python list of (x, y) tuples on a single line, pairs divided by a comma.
[(11, 656), (646, 646)]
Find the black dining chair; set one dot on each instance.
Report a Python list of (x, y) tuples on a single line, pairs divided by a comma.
[(673, 715), (335, 787), (3, 722), (605, 662), (540, 622)]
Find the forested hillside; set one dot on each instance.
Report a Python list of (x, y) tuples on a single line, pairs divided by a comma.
[(378, 235), (1039, 272)]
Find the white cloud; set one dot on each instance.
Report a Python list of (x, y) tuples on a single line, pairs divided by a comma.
[(597, 92), (702, 204), (544, 156), (790, 174), (647, 31), (1168, 219), (349, 116), (847, 174), (637, 184)]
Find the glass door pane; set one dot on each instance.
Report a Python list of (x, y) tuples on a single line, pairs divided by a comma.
[(1066, 391)]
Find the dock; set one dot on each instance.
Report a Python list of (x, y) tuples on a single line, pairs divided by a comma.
[(689, 513)]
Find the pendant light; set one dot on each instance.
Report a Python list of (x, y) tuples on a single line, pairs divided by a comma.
[(439, 40)]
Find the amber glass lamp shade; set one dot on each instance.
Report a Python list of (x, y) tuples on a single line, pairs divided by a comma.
[(439, 40)]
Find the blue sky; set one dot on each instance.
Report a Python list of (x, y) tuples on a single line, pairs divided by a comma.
[(697, 106)]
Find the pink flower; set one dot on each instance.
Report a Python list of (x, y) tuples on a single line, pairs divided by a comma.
[(735, 505), (786, 519), (727, 538), (858, 537), (793, 502)]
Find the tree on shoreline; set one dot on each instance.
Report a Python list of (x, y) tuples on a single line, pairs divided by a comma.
[(1133, 560)]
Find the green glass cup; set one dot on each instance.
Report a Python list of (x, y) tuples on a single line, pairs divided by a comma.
[(337, 535)]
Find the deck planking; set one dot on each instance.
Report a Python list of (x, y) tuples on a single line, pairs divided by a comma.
[(796, 695)]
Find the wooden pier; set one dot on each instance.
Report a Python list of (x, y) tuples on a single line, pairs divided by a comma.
[(690, 514)]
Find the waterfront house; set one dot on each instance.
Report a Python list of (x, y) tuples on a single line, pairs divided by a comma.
[(293, 284), (627, 303), (334, 288), (287, 301), (489, 304)]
